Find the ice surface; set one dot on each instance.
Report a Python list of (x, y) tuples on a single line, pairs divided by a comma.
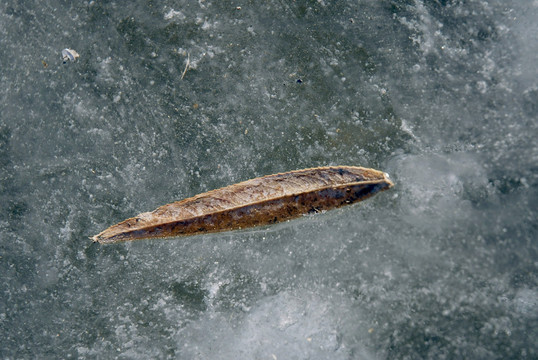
[(172, 99)]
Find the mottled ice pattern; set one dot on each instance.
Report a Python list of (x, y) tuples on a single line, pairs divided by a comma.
[(170, 99)]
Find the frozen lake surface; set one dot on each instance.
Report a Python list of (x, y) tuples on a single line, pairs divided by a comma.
[(169, 99)]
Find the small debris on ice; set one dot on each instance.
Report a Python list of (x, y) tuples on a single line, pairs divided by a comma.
[(69, 55)]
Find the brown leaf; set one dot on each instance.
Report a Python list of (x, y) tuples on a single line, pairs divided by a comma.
[(261, 201)]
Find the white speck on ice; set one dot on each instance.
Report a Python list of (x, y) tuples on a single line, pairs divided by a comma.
[(173, 14)]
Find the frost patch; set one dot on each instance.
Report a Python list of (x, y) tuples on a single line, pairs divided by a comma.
[(173, 14)]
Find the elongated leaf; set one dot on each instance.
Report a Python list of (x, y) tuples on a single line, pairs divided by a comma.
[(261, 201)]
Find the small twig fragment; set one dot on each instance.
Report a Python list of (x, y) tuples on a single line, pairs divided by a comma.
[(186, 66)]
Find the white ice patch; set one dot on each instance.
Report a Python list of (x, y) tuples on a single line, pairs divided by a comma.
[(407, 128), (526, 302), (438, 184), (280, 325), (174, 14), (427, 29)]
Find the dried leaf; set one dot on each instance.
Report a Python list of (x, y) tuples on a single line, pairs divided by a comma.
[(261, 201)]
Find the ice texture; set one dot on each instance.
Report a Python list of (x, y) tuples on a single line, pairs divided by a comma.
[(170, 99)]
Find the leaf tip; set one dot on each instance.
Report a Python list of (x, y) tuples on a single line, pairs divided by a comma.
[(388, 180)]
